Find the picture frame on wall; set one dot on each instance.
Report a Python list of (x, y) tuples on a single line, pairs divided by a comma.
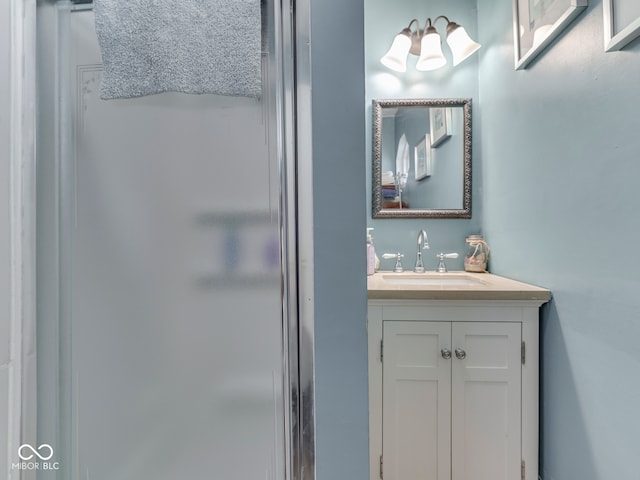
[(621, 23), (422, 157), (439, 124), (537, 23)]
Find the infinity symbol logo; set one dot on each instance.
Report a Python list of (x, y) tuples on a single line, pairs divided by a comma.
[(35, 452)]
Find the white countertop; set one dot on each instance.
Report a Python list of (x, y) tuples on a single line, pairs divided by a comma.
[(451, 286)]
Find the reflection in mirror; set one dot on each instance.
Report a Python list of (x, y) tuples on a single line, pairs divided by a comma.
[(422, 158)]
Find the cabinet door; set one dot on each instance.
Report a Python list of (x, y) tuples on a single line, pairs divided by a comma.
[(486, 401), (416, 401)]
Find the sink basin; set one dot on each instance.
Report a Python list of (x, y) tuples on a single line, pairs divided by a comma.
[(454, 285), (431, 279)]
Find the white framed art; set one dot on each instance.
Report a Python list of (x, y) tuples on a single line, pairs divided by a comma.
[(536, 23), (621, 23), (439, 122), (422, 157)]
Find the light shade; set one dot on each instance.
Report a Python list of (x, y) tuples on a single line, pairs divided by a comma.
[(396, 57), (431, 56), (460, 43)]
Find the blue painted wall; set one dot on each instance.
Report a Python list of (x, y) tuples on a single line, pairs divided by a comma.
[(560, 146), (337, 53), (383, 20)]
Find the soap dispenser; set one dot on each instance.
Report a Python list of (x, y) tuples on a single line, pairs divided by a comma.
[(372, 258)]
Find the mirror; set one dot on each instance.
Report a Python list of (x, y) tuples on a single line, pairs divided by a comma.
[(422, 158)]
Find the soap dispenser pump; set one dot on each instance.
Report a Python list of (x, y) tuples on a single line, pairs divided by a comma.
[(371, 253)]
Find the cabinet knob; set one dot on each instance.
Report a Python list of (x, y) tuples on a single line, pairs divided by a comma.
[(446, 353), (460, 354)]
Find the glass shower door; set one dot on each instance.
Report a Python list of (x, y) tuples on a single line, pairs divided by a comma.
[(171, 331)]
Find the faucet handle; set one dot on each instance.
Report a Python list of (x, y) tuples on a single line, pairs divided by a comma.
[(398, 256), (442, 267)]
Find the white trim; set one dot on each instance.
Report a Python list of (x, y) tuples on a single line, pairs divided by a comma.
[(15, 194), (22, 214)]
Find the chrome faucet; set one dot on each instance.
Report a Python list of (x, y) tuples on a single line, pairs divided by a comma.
[(398, 256), (423, 244), (442, 267)]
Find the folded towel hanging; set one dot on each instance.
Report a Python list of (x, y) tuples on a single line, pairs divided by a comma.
[(190, 46), (388, 178)]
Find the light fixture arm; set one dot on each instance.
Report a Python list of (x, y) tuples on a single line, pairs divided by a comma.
[(428, 27), (441, 16), (414, 36), (415, 20), (451, 26)]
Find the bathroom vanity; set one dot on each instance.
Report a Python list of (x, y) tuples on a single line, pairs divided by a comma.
[(453, 376)]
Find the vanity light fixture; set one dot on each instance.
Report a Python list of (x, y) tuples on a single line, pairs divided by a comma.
[(428, 46)]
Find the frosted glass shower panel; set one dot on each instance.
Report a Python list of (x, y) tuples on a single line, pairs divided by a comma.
[(176, 321)]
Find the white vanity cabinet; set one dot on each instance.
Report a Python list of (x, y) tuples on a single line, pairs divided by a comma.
[(453, 389)]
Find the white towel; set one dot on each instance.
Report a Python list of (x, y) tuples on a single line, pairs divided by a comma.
[(191, 46), (388, 178)]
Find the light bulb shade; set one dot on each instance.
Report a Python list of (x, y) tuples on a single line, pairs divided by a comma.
[(460, 44), (431, 56), (396, 57)]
